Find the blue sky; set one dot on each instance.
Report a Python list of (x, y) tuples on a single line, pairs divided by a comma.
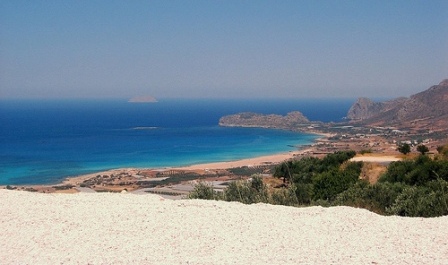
[(221, 49)]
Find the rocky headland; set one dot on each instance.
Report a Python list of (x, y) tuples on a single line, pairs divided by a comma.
[(293, 120)]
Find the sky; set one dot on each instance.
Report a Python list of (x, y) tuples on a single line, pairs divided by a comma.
[(221, 49)]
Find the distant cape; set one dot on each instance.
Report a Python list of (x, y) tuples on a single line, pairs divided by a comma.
[(143, 99)]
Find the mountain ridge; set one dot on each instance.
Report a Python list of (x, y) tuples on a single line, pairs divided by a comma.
[(428, 108)]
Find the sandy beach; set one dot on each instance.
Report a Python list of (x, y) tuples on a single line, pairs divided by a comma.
[(249, 162), (278, 158), (106, 228)]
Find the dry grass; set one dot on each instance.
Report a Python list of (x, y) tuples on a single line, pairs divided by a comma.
[(272, 182), (372, 171)]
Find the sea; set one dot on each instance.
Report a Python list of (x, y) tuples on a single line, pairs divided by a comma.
[(45, 141)]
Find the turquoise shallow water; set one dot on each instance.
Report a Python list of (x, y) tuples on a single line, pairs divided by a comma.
[(45, 141)]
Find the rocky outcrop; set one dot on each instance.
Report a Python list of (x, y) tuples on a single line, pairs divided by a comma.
[(428, 108), (363, 108), (250, 119)]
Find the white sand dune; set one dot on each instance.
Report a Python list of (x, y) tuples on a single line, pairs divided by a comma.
[(146, 229)]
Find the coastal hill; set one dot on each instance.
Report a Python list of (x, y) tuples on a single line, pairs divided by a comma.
[(425, 110), (293, 119)]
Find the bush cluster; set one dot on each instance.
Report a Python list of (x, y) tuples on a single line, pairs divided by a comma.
[(245, 191), (320, 179), (204, 191), (309, 180), (417, 187)]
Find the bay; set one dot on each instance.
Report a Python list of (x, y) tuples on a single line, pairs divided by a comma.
[(44, 141)]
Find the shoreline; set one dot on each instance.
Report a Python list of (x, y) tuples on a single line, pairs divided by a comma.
[(137, 178), (201, 167), (263, 160), (254, 161), (131, 179)]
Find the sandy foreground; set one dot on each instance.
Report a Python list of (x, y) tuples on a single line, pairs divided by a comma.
[(106, 228)]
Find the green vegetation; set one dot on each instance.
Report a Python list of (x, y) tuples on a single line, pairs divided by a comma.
[(417, 187), (422, 149), (310, 179), (247, 191), (404, 148), (417, 172), (204, 191), (376, 198), (249, 171), (63, 187), (365, 151)]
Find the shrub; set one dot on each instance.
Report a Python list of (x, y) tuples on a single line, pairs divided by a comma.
[(320, 202), (285, 196), (353, 168), (404, 148), (247, 191), (329, 184), (443, 150), (303, 192), (422, 149), (304, 170), (396, 171), (376, 198), (424, 201), (336, 159), (204, 191), (365, 151), (417, 172)]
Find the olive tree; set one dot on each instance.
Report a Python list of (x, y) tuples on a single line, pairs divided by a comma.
[(404, 148)]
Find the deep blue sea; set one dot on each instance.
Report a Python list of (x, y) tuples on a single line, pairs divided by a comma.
[(44, 141)]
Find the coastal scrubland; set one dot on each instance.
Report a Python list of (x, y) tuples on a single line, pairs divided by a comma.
[(415, 186)]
